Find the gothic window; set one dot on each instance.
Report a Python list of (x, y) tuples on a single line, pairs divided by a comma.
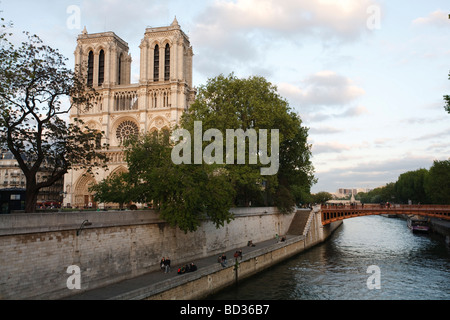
[(167, 63), (126, 130), (119, 71), (101, 67), (156, 64), (90, 75)]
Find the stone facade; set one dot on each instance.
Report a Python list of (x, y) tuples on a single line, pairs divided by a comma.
[(164, 92)]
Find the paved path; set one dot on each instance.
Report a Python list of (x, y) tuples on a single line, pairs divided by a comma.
[(116, 290)]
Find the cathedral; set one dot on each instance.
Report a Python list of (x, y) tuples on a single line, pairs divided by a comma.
[(122, 108)]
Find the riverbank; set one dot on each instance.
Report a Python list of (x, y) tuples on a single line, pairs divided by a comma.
[(211, 276), (441, 227)]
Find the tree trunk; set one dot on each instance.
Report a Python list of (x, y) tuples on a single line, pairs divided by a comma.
[(31, 199)]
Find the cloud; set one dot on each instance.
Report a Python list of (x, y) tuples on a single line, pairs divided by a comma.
[(347, 113), (241, 31), (329, 147), (123, 18), (324, 88), (345, 20), (436, 18), (324, 130), (441, 134)]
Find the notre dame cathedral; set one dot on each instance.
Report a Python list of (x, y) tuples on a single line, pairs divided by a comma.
[(122, 108)]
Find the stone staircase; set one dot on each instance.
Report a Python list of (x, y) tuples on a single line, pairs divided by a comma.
[(298, 223)]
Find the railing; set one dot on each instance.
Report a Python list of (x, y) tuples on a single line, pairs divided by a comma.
[(125, 100), (331, 213)]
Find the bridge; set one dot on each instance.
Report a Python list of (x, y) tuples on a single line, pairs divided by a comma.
[(331, 213)]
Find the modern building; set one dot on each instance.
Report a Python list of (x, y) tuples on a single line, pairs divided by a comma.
[(157, 101)]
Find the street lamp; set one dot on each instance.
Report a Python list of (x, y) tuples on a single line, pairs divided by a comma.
[(83, 224)]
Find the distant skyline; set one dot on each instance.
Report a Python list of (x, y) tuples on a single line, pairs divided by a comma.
[(367, 77)]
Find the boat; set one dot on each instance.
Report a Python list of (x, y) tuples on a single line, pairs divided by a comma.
[(418, 226)]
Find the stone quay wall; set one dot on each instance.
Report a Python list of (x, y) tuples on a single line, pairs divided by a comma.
[(36, 250), (212, 279)]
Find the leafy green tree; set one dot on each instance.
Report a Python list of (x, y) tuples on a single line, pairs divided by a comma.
[(378, 195), (34, 83), (437, 182), (227, 102), (322, 197), (114, 189), (184, 194), (447, 100), (410, 186)]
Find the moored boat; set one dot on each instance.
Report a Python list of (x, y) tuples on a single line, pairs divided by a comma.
[(418, 226)]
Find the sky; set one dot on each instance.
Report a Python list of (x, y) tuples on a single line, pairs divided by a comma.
[(367, 77)]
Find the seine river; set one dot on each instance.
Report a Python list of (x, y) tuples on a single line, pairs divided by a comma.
[(408, 266)]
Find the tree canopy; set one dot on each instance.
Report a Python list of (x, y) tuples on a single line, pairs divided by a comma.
[(419, 186), (447, 100), (227, 102), (184, 194)]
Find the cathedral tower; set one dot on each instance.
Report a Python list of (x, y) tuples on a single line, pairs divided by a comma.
[(157, 101)]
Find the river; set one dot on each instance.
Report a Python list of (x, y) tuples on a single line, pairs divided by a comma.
[(407, 266)]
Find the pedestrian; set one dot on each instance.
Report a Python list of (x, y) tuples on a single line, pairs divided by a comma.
[(167, 264), (224, 260), (162, 264)]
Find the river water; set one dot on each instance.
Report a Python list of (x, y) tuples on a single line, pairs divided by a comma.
[(408, 266)]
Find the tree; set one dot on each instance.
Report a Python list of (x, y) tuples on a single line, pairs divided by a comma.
[(34, 83), (437, 182), (253, 103), (183, 194), (447, 100), (116, 189), (322, 197), (410, 186)]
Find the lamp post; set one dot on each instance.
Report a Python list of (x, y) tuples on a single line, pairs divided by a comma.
[(83, 224)]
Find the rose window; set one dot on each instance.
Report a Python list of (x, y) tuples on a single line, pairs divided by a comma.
[(126, 129)]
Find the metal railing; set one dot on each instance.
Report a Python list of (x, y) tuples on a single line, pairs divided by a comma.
[(331, 213)]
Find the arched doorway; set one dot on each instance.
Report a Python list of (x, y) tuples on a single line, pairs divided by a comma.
[(83, 198)]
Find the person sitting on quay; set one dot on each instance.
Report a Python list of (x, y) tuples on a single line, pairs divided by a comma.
[(222, 260), (238, 254), (187, 268), (181, 270), (167, 265)]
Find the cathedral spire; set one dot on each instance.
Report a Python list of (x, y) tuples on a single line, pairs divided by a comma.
[(175, 22)]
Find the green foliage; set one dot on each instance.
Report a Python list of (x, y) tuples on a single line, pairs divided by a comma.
[(183, 194), (410, 186), (115, 189), (420, 186), (378, 195), (437, 182), (447, 100), (253, 103), (321, 197)]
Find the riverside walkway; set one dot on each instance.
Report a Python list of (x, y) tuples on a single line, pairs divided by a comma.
[(154, 282)]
